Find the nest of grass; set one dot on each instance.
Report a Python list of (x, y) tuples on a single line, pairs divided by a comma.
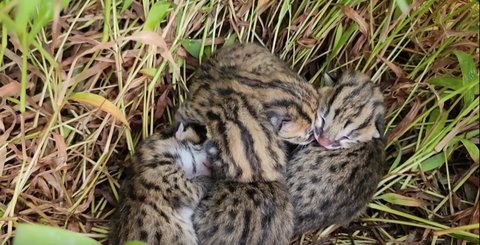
[(79, 92)]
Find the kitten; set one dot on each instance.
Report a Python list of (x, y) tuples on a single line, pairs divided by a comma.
[(250, 69), (333, 183), (249, 202), (162, 189)]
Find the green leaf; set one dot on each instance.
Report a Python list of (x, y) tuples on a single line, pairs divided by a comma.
[(472, 149), (401, 200), (469, 74), (397, 160), (45, 13), (149, 71), (402, 5), (157, 14), (126, 4), (454, 83), (433, 162), (338, 34), (135, 243), (230, 40), (192, 46), (342, 40), (28, 234), (473, 133), (23, 14)]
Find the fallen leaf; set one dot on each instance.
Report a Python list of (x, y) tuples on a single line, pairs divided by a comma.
[(10, 89), (396, 69), (401, 200), (352, 14), (162, 102), (53, 182), (153, 38), (406, 121), (453, 132), (92, 71), (61, 147), (262, 5), (43, 186), (101, 103)]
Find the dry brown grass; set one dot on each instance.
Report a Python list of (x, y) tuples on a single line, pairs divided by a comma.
[(60, 160)]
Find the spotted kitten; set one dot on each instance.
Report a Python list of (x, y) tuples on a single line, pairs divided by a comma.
[(333, 183), (250, 69), (162, 189), (249, 202)]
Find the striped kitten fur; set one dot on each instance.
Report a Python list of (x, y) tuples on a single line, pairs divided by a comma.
[(250, 69), (249, 202), (350, 112), (165, 182), (333, 183)]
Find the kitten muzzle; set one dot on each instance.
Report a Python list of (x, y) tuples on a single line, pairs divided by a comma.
[(324, 142)]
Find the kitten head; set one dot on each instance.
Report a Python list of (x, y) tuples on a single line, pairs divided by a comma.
[(179, 144), (350, 111), (291, 126)]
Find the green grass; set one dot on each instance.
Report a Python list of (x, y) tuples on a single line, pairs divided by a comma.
[(82, 83)]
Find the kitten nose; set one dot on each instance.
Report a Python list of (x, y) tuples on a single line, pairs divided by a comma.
[(323, 142)]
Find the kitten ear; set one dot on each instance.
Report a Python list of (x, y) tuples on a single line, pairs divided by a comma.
[(379, 127), (376, 134), (179, 134), (329, 79), (275, 118)]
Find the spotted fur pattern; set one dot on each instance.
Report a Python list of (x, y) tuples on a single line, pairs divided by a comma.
[(251, 70), (350, 111), (333, 186), (333, 183), (165, 182)]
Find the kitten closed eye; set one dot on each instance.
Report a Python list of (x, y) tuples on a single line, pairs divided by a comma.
[(333, 183), (165, 183)]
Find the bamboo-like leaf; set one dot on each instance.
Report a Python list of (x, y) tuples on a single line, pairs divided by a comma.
[(402, 5), (101, 103), (192, 46), (469, 74), (28, 234), (126, 4), (135, 243), (401, 200), (433, 162), (472, 149), (447, 82), (157, 14)]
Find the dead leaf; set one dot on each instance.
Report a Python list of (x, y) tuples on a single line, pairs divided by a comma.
[(84, 75), (153, 38), (352, 14), (52, 181), (262, 5), (476, 217), (406, 121), (401, 200), (43, 186), (11, 89), (396, 69), (61, 147), (101, 103), (455, 130), (162, 102)]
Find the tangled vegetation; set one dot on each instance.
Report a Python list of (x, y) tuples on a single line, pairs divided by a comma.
[(81, 82)]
